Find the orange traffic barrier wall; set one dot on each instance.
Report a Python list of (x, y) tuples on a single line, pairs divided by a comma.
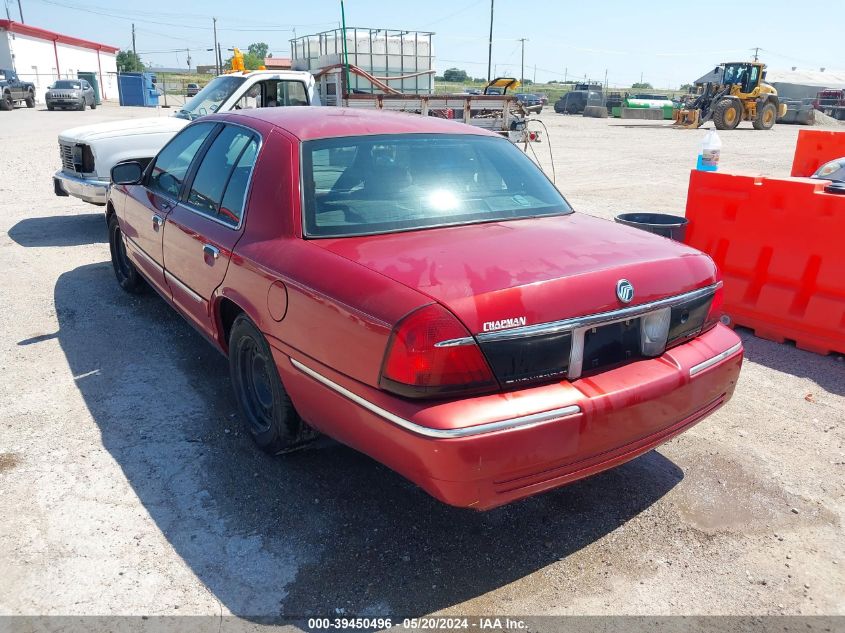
[(779, 245), (814, 148)]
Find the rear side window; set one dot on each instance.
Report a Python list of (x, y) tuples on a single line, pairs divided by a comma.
[(172, 163), (232, 207), (226, 166), (291, 93)]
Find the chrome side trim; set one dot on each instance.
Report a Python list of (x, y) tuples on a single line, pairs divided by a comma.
[(697, 369), (595, 319), (193, 295), (141, 252), (523, 422)]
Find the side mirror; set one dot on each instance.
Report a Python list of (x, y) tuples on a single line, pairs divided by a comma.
[(127, 173)]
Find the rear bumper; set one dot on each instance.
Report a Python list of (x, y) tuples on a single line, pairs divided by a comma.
[(87, 189), (486, 451)]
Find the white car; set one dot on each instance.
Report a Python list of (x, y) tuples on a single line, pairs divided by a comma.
[(89, 152)]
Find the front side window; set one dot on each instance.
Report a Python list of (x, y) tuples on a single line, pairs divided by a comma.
[(217, 171), (172, 163), (380, 184)]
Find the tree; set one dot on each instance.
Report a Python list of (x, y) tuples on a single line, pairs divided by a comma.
[(129, 62), (687, 88), (642, 86), (454, 74), (259, 49)]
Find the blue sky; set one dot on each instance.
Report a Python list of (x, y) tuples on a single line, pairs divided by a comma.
[(668, 43)]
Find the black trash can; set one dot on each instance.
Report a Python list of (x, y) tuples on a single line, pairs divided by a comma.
[(671, 226)]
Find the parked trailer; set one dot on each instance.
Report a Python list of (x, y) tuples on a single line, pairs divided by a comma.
[(831, 103)]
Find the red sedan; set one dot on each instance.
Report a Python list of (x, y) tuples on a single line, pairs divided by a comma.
[(417, 289)]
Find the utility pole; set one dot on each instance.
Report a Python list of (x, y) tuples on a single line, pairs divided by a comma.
[(565, 73), (605, 79), (756, 51), (219, 59), (490, 44), (188, 51), (133, 41), (21, 12), (535, 73), (522, 61), (216, 48)]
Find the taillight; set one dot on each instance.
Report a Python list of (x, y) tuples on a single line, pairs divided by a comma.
[(417, 367), (714, 315)]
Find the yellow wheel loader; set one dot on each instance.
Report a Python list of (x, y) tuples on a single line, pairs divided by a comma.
[(738, 94)]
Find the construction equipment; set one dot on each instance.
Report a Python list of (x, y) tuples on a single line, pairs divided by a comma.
[(737, 93), (501, 85)]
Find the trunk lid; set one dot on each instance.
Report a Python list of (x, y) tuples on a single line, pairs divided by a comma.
[(500, 275)]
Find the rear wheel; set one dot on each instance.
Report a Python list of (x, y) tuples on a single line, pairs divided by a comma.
[(264, 404), (30, 100), (727, 114), (124, 270), (94, 104), (766, 117), (6, 102)]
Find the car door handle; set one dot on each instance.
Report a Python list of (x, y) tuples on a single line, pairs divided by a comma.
[(211, 251), (158, 222)]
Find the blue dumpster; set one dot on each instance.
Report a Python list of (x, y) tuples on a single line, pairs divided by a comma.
[(137, 89)]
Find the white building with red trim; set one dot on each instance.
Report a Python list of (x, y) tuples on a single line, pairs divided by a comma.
[(41, 56)]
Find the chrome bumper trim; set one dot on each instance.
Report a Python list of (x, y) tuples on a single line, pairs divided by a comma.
[(511, 424), (602, 318), (697, 369), (87, 189)]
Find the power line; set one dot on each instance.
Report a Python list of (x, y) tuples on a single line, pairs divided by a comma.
[(137, 16), (452, 15)]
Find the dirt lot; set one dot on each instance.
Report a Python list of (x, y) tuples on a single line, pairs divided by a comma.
[(127, 487)]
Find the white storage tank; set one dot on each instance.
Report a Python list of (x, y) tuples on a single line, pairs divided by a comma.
[(386, 54)]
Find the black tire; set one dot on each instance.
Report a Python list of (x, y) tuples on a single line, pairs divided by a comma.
[(6, 102), (30, 100), (264, 404), (127, 275), (81, 105), (94, 104), (50, 106), (727, 114), (766, 116)]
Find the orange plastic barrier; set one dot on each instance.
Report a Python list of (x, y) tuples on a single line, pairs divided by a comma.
[(779, 244), (814, 148)]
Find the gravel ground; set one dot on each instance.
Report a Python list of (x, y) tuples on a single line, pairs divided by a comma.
[(127, 486)]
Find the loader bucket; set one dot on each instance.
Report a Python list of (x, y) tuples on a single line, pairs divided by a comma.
[(687, 118)]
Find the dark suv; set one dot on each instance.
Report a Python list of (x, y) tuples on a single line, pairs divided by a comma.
[(574, 101)]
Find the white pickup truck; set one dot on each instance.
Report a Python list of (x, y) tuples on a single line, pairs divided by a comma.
[(89, 152)]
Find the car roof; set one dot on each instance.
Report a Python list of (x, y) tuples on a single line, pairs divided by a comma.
[(314, 122)]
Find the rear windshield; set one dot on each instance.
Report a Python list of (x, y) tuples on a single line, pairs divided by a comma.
[(379, 184), (67, 85)]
